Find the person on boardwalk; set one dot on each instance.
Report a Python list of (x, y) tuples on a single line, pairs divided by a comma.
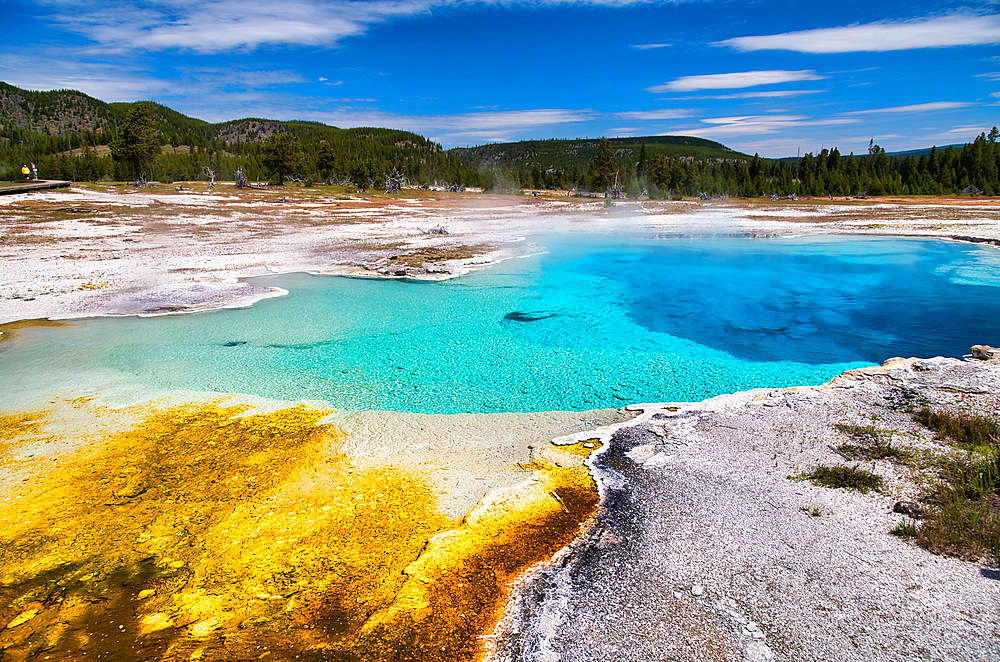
[(34, 172), (25, 172)]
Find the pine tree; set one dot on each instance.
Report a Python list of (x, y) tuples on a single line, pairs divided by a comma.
[(139, 142), (642, 167), (604, 166), (281, 154)]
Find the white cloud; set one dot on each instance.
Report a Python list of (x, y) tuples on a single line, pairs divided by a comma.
[(230, 24), (963, 29), (507, 120), (734, 80), (226, 25), (764, 94), (101, 80), (651, 115), (460, 128), (913, 108), (749, 125), (956, 136), (646, 47), (217, 77), (964, 131)]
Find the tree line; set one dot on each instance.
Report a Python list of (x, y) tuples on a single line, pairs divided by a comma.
[(153, 142), (973, 168)]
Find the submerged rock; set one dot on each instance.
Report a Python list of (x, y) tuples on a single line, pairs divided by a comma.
[(518, 316), (985, 353)]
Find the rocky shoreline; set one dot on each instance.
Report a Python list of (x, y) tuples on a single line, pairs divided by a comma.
[(705, 549)]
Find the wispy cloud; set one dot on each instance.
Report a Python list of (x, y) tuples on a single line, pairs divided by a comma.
[(750, 125), (211, 27), (956, 135), (256, 78), (963, 29), (227, 25), (646, 47), (651, 115), (103, 80), (763, 94), (734, 80), (964, 130), (460, 128), (912, 108)]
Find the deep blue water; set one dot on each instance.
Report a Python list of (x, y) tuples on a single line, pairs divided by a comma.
[(594, 322), (814, 300)]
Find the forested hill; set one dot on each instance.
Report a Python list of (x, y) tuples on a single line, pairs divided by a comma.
[(67, 134), (562, 154), (677, 166)]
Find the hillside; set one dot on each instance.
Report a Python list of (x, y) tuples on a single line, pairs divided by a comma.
[(67, 134), (566, 154), (925, 150), (53, 113)]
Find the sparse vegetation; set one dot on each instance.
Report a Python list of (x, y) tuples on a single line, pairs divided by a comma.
[(850, 478), (870, 443), (905, 529), (969, 432), (962, 517), (417, 259)]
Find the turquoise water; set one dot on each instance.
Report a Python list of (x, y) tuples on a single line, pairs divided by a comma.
[(594, 322)]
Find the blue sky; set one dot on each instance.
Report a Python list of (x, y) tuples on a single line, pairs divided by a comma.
[(765, 76)]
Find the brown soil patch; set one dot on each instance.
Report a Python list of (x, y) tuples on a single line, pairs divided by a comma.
[(419, 257), (9, 330)]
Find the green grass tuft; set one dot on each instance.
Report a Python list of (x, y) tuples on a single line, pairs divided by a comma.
[(907, 530), (850, 478), (871, 443), (962, 517), (959, 526), (969, 432)]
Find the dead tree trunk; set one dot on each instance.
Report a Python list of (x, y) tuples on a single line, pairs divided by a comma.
[(615, 192), (211, 174), (395, 181)]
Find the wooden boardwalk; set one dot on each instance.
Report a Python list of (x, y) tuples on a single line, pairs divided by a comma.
[(40, 185)]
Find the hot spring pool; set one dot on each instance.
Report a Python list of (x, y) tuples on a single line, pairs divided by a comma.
[(593, 322)]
